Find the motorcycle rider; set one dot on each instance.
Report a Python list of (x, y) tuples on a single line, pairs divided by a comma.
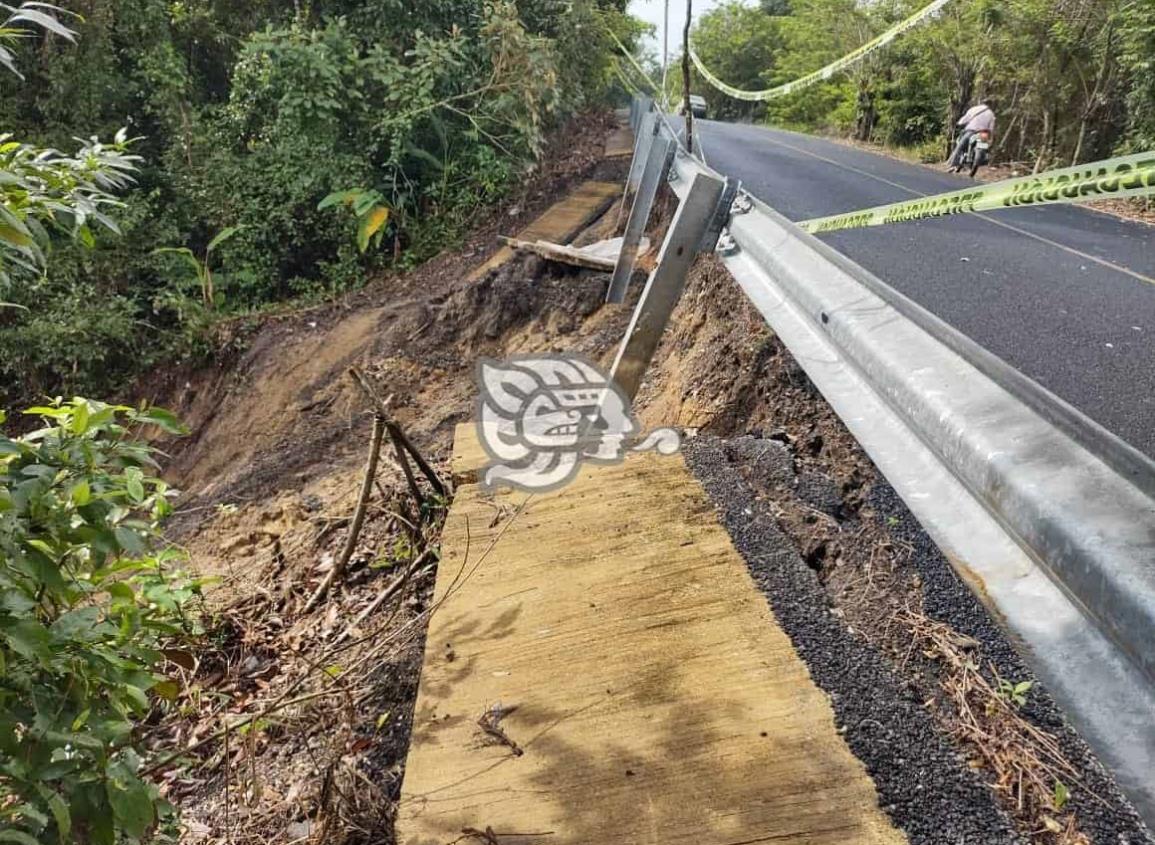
[(979, 118)]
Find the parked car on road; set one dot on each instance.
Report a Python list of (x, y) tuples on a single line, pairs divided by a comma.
[(697, 106)]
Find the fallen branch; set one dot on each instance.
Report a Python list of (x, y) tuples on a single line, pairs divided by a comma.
[(562, 254), (358, 515), (400, 441), (389, 592)]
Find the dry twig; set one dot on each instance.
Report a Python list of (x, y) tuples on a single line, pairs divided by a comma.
[(400, 441), (490, 723), (358, 515)]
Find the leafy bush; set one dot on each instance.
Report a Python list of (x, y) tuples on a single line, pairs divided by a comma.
[(85, 604), (250, 115)]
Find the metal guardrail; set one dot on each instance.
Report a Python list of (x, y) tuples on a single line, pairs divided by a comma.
[(1046, 515)]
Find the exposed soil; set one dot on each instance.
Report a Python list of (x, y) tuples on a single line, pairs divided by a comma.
[(272, 475), (320, 705)]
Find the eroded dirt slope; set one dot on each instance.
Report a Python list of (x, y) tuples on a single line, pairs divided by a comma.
[(272, 476)]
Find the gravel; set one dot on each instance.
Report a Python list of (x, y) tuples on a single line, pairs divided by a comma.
[(923, 781), (946, 598)]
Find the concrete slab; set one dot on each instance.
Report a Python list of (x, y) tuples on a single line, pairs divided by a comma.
[(649, 691)]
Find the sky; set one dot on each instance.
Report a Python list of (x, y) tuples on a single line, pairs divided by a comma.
[(651, 11)]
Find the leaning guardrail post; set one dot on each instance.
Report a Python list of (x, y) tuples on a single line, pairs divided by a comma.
[(645, 139), (643, 106), (664, 287), (653, 175)]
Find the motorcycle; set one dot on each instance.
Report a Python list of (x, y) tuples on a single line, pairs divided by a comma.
[(978, 152)]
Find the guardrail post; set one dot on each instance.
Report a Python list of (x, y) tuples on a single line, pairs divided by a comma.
[(664, 287), (642, 105), (658, 162), (648, 128)]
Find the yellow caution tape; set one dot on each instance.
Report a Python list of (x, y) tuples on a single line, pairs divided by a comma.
[(625, 80), (822, 73), (1125, 176), (653, 86)]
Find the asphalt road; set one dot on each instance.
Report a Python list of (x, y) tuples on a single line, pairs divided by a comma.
[(1064, 294)]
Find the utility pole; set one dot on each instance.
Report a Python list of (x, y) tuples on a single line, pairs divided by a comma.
[(665, 50), (689, 114)]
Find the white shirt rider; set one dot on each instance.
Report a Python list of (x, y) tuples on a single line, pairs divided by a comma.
[(978, 118)]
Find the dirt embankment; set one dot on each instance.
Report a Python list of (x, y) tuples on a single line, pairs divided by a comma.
[(295, 710), (272, 474)]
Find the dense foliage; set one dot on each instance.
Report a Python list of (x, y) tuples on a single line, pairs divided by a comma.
[(85, 605), (1071, 80), (249, 115)]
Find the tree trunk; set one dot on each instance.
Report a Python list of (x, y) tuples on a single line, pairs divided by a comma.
[(686, 77), (964, 91), (1047, 140), (1079, 141), (867, 115)]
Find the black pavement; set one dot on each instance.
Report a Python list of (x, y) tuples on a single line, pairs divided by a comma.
[(1064, 294)]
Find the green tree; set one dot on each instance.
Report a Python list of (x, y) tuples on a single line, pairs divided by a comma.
[(816, 33), (1137, 55), (45, 191), (739, 44), (85, 606), (251, 114), (776, 7)]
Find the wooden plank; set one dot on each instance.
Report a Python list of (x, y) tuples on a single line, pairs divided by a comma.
[(564, 254), (653, 697), (562, 222), (620, 143)]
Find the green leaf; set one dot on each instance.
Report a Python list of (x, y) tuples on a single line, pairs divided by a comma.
[(167, 689), (185, 254), (222, 236), (130, 799), (129, 540), (48, 411), (59, 812), (81, 493), (28, 811), (120, 590), (12, 835), (12, 235), (343, 197), (80, 418), (81, 718), (28, 639), (370, 224), (26, 14), (134, 484), (137, 696), (165, 420), (79, 624)]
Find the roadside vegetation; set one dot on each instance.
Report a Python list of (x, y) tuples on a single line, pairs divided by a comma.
[(167, 168), (220, 127), (1072, 80)]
